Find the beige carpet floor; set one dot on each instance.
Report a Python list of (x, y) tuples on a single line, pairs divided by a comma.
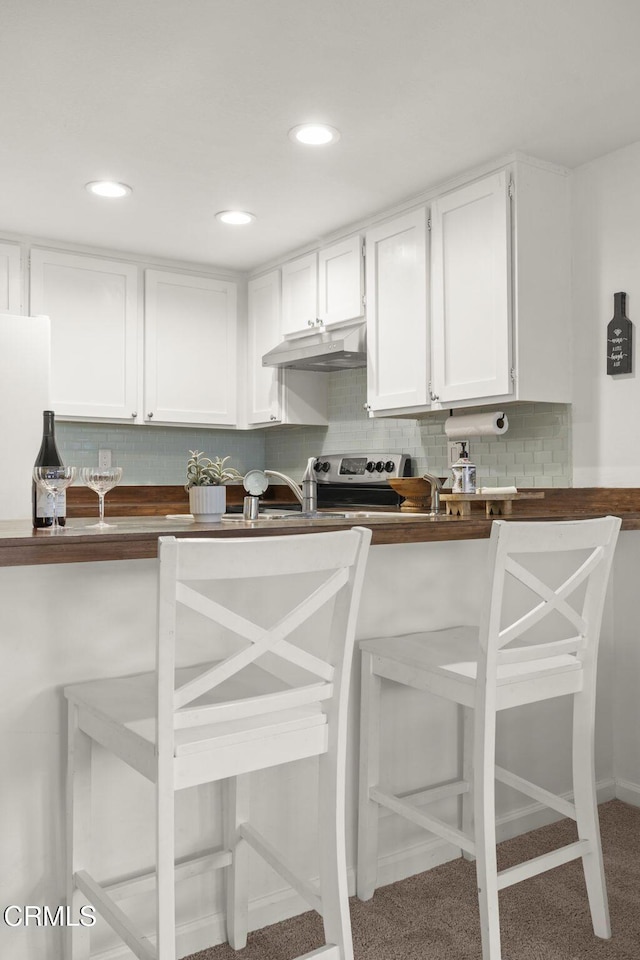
[(434, 915)]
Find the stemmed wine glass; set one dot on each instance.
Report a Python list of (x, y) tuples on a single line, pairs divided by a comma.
[(101, 480), (53, 480)]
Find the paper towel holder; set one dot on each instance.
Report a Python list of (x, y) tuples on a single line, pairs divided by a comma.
[(500, 420)]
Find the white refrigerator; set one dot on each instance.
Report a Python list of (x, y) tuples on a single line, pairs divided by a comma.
[(25, 351)]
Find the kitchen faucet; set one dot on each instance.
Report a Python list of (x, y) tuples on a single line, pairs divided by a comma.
[(436, 486), (308, 496)]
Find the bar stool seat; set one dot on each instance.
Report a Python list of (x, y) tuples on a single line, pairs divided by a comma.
[(491, 667), (280, 614), (450, 656), (130, 703)]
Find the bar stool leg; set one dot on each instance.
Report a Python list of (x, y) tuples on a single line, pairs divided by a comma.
[(165, 859), (586, 805), (368, 813), (466, 817), (334, 889), (485, 832), (236, 812), (77, 939)]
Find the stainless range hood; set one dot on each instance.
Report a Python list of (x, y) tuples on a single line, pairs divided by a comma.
[(337, 349)]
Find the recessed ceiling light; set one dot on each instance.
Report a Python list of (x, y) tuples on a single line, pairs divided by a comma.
[(314, 134), (108, 188), (238, 218)]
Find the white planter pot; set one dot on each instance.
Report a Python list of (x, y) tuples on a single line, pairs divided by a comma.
[(207, 504)]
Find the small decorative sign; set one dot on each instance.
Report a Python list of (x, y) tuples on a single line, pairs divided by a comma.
[(619, 337)]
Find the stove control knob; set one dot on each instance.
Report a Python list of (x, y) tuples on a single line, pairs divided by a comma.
[(326, 466), (379, 466), (370, 467), (318, 466), (389, 466)]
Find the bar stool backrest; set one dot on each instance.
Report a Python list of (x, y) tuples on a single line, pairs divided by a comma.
[(588, 546), (335, 561)]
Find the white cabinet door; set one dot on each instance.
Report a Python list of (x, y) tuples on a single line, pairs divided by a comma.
[(93, 305), (190, 349), (264, 383), (278, 396), (10, 279), (471, 291), (300, 294), (397, 313), (341, 281)]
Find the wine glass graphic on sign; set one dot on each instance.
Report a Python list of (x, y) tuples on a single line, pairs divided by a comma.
[(54, 480), (101, 481)]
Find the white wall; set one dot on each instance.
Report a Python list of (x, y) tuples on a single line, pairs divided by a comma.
[(606, 259)]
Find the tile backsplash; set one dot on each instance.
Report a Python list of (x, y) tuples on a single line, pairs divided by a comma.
[(536, 450), (156, 455)]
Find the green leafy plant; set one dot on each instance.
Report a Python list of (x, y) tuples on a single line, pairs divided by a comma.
[(203, 472)]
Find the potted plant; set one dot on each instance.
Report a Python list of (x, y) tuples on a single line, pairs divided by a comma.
[(206, 481)]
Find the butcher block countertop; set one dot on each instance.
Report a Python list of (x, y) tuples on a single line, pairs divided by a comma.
[(140, 517)]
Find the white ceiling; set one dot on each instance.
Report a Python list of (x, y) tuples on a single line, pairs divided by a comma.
[(190, 101)]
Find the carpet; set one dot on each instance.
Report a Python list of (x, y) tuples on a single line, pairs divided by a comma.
[(434, 915)]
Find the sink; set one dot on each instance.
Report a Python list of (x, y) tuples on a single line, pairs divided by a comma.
[(331, 515)]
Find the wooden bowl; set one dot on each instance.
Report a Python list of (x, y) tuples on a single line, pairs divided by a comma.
[(416, 492)]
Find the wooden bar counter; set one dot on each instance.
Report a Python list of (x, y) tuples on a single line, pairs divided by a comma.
[(140, 515)]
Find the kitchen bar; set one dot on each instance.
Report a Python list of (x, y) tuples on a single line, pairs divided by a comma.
[(88, 618)]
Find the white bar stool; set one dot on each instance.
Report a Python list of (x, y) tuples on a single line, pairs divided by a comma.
[(490, 668), (268, 702)]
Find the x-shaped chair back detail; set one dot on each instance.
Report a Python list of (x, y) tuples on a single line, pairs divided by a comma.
[(337, 558), (596, 538)]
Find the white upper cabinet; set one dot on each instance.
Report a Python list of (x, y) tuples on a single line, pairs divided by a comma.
[(397, 313), (10, 279), (190, 349), (264, 383), (471, 291), (499, 290), (299, 294), (277, 396), (93, 305), (501, 295), (341, 281)]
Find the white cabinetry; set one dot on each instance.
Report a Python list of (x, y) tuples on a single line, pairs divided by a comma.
[(471, 291), (190, 349), (10, 279), (264, 387), (341, 281), (93, 305), (499, 290), (323, 288), (277, 396), (397, 313), (299, 294), (501, 298)]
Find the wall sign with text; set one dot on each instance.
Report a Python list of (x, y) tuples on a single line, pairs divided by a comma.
[(619, 337)]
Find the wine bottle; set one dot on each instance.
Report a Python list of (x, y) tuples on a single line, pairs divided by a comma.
[(48, 456)]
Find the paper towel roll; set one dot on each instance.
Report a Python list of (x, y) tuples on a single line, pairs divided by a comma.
[(476, 425)]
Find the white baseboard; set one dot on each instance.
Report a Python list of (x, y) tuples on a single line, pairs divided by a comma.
[(283, 904), (627, 791)]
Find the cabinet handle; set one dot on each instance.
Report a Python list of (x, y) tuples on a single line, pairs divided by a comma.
[(366, 406), (273, 417), (434, 397), (311, 323), (150, 415), (134, 414)]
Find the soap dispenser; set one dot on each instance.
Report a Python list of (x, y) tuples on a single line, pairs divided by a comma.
[(464, 473)]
